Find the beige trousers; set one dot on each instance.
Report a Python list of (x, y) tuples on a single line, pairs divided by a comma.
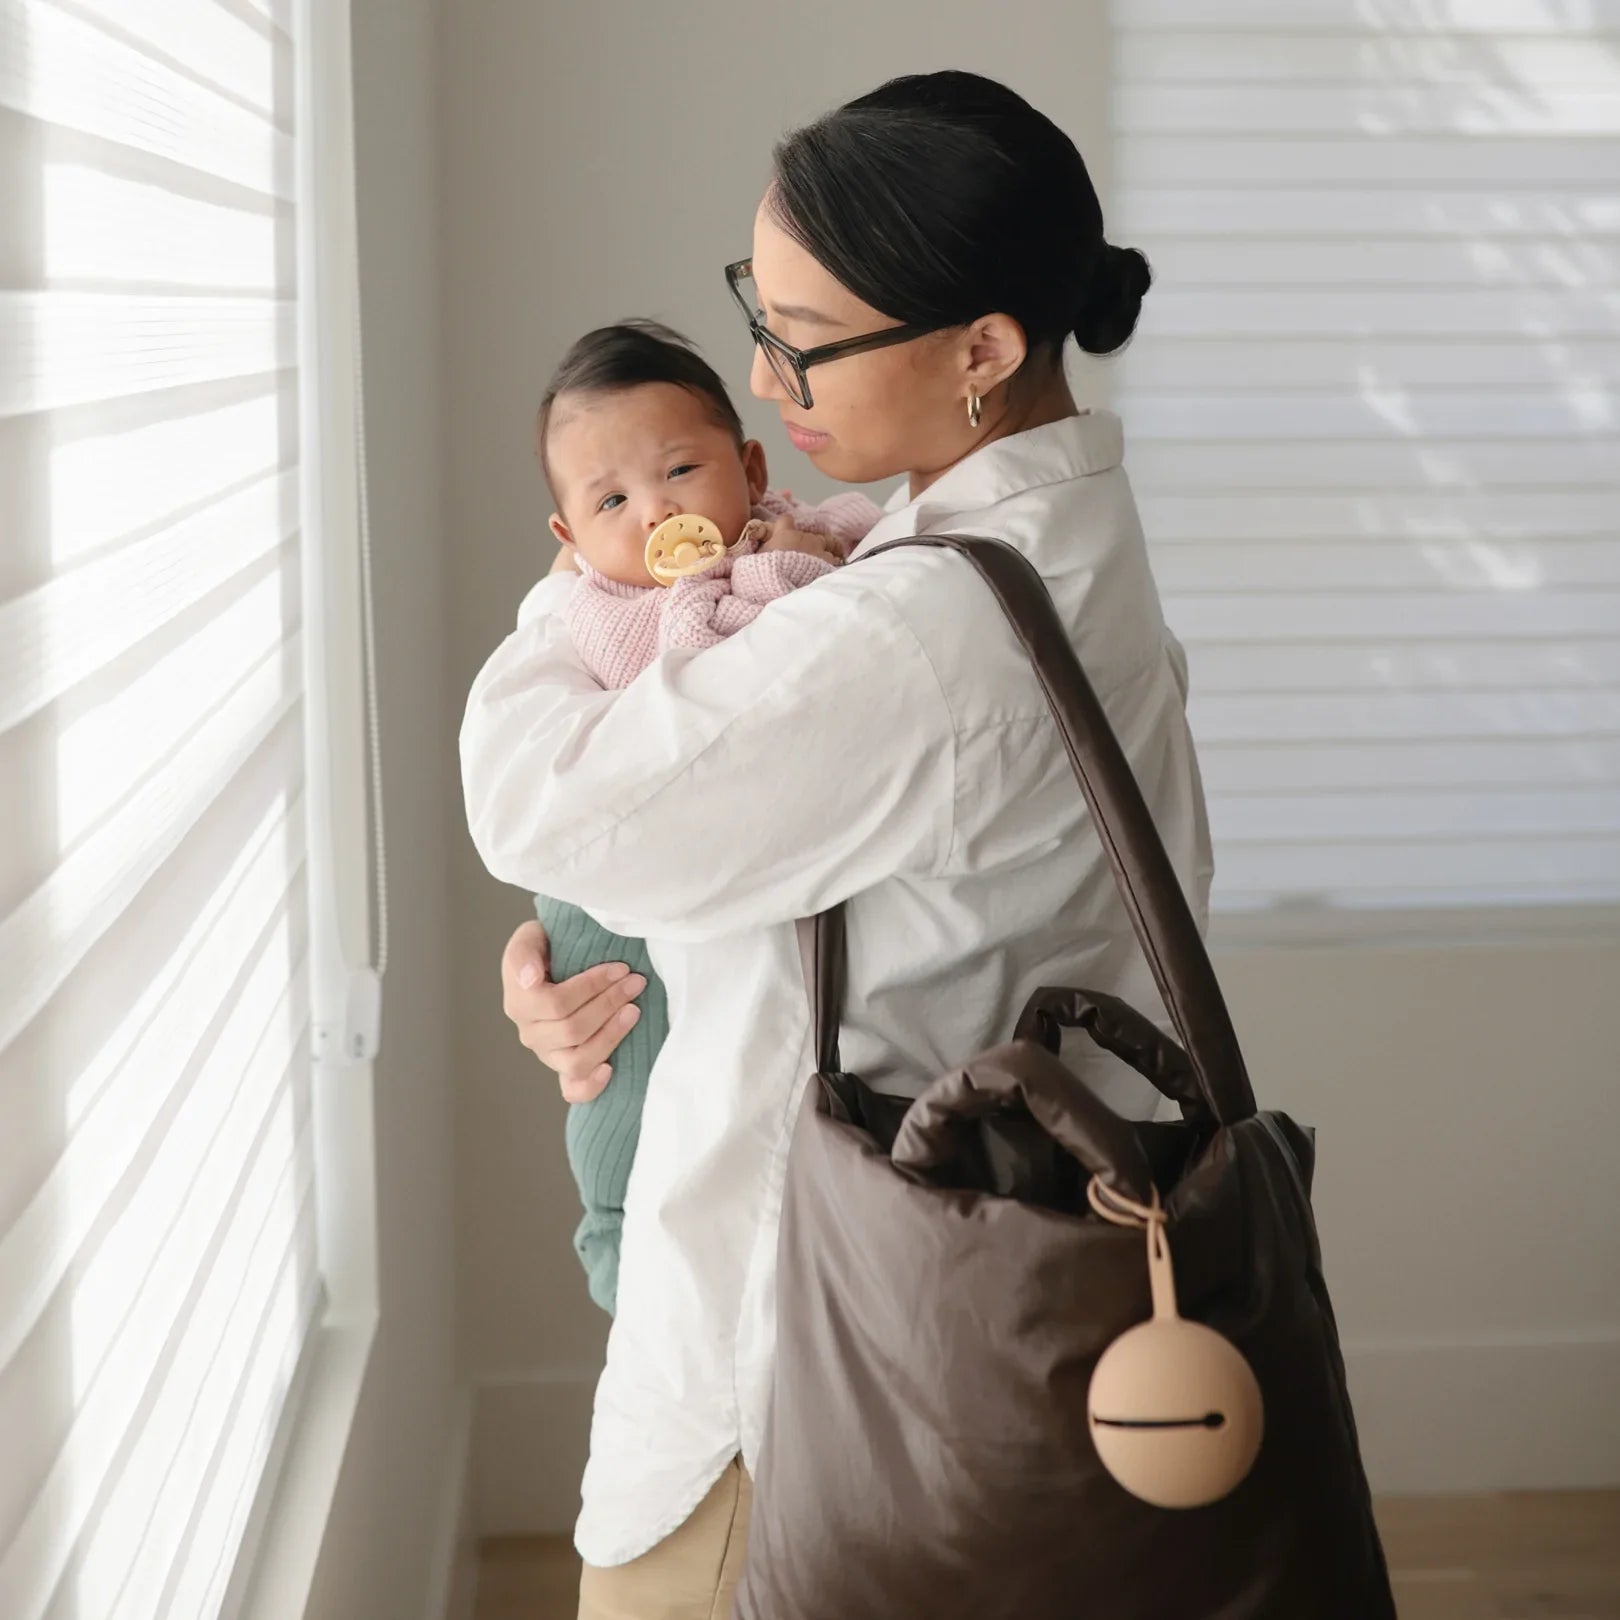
[(690, 1575)]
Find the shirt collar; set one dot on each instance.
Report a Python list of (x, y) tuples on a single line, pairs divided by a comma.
[(1057, 453)]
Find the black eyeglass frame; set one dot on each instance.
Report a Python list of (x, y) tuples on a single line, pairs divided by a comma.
[(799, 361)]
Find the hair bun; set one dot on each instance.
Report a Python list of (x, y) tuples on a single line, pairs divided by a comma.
[(1113, 300)]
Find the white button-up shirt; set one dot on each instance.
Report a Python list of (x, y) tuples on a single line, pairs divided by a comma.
[(876, 737)]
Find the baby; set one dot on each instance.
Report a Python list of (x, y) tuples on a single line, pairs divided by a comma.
[(636, 429)]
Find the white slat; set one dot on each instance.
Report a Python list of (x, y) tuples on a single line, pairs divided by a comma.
[(238, 1168), (113, 1102), (1532, 614), (1419, 162), (1557, 261), (1531, 812), (100, 1257), (128, 482), (1401, 567), (106, 743), (249, 1375), (1483, 765), (159, 1263), (1368, 58), (1378, 411), (1413, 664), (1376, 716), (207, 40), (278, 13), (61, 69), (1247, 365), (1436, 872), (1464, 465), (76, 348), (165, 238), (199, 1581), (1340, 211), (1283, 310), (1373, 410), (1503, 514), (1378, 109), (1484, 20), (80, 621), (48, 934)]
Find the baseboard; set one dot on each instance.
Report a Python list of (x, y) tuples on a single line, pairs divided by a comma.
[(452, 1586), (1489, 1415), (531, 1432), (1460, 1416)]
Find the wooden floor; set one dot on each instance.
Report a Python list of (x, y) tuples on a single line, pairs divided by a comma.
[(1532, 1557)]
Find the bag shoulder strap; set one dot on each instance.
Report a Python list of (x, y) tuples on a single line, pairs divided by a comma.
[(1142, 869)]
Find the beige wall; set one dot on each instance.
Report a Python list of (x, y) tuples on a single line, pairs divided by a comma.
[(1467, 1099), (387, 1551), (603, 160)]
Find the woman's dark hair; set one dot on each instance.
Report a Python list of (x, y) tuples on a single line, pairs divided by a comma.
[(941, 197), (626, 355)]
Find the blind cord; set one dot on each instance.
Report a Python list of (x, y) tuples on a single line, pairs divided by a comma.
[(368, 633)]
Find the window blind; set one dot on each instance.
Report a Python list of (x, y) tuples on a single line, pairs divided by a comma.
[(158, 1268), (1372, 413)]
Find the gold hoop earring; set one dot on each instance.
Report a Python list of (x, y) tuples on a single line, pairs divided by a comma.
[(974, 411)]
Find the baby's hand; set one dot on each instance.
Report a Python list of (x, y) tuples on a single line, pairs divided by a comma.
[(784, 537)]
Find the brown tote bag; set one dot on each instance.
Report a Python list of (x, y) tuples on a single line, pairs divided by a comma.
[(945, 1292)]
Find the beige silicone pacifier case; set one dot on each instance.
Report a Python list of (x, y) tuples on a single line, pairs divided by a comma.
[(1175, 1411)]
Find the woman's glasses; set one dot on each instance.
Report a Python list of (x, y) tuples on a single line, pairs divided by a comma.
[(790, 364)]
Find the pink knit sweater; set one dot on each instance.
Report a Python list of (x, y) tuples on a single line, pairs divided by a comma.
[(619, 629)]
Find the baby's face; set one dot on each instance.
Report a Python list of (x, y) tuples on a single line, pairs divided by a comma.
[(623, 462)]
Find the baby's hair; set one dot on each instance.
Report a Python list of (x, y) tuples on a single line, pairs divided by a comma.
[(627, 355)]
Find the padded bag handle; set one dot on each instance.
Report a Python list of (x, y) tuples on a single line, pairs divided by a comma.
[(1116, 1027), (998, 1081), (1147, 881)]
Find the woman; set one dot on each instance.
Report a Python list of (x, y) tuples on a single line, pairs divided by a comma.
[(918, 262)]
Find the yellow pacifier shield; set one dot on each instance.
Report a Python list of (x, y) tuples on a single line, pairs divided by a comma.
[(681, 545)]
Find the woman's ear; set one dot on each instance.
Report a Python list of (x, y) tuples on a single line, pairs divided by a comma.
[(559, 529), (996, 348), (753, 460)]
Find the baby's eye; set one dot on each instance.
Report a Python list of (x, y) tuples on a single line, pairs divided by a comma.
[(609, 502), (685, 467)]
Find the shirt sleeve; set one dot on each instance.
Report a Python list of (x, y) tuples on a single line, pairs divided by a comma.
[(803, 759)]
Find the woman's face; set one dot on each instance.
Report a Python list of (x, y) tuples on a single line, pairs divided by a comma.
[(902, 409)]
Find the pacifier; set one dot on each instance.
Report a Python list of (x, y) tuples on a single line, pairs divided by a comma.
[(683, 545)]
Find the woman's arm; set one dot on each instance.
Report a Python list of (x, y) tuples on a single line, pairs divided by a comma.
[(801, 760)]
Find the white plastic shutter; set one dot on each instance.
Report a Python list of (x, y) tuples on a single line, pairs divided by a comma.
[(158, 1272), (1372, 421)]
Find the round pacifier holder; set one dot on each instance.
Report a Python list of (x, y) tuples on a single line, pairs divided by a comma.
[(683, 545), (1174, 1409)]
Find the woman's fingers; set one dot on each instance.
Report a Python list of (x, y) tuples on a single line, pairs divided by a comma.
[(582, 1065), (575, 1092), (573, 1013), (575, 1026), (529, 995), (525, 962)]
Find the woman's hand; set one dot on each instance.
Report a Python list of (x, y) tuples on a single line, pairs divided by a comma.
[(784, 537), (572, 1027)]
